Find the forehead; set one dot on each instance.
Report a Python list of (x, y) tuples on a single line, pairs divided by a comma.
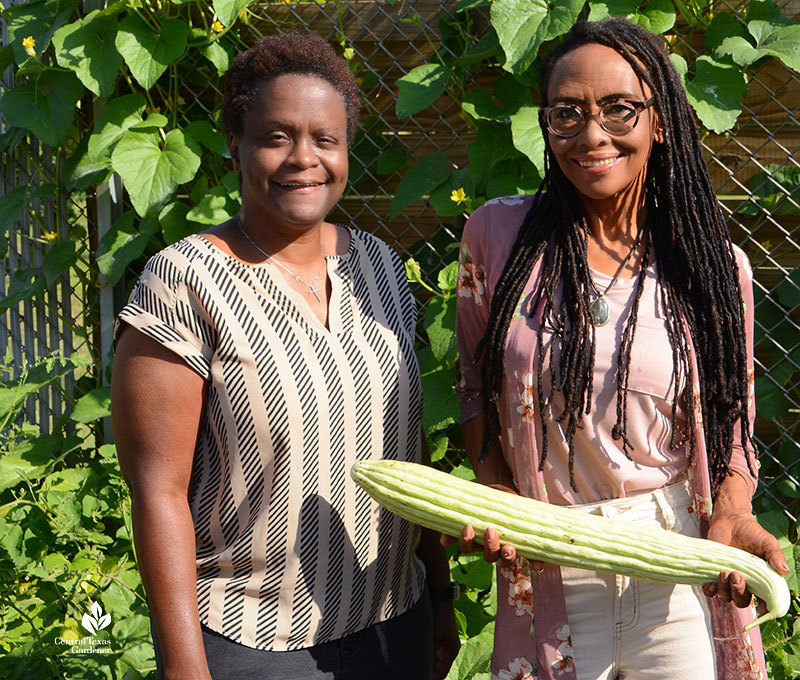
[(294, 93), (592, 72)]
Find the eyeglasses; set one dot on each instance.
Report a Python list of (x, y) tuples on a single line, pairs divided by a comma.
[(616, 117)]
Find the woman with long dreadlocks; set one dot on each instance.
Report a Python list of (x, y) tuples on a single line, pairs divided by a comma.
[(605, 329)]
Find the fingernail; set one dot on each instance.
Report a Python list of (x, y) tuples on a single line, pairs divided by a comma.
[(506, 554)]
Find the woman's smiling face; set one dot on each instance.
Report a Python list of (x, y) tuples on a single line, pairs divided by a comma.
[(601, 165), (292, 153)]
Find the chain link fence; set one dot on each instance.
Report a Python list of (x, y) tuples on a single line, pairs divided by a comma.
[(754, 166)]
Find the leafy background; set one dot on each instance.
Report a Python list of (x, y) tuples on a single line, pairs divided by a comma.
[(104, 96)]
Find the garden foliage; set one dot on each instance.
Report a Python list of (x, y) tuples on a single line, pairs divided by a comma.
[(104, 88)]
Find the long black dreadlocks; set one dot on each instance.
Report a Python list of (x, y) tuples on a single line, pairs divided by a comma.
[(695, 262)]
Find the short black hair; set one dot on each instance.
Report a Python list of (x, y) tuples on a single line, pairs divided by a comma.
[(284, 54)]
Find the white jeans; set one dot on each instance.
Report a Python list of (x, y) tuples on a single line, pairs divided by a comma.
[(630, 629)]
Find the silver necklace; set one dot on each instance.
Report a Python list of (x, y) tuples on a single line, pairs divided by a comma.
[(312, 287), (598, 308)]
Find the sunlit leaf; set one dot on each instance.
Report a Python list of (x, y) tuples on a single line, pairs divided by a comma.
[(93, 406), (439, 322), (524, 25), (151, 169), (219, 54), (119, 115), (715, 92), (526, 133), (148, 51), (419, 88), (657, 16), (228, 10), (87, 47)]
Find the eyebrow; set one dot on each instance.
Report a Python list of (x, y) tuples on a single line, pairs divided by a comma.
[(607, 98)]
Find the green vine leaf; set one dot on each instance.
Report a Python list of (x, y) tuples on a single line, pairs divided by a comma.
[(527, 135), (657, 16), (58, 260), (439, 322), (23, 284), (524, 25), (119, 115), (770, 34), (45, 105), (151, 169), (442, 405), (723, 25), (418, 181), (228, 10), (174, 225), (215, 207), (214, 140), (492, 144), (12, 203), (93, 406), (775, 190), (87, 48), (147, 51), (39, 20), (419, 88), (715, 92), (441, 197), (123, 243), (219, 54)]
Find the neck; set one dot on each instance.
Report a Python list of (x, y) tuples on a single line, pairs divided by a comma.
[(616, 219), (290, 246)]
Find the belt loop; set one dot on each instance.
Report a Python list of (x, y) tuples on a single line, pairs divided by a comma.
[(666, 509)]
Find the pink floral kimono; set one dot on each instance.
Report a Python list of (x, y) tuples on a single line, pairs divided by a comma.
[(522, 596)]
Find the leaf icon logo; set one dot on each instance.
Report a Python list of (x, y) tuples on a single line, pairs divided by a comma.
[(96, 620)]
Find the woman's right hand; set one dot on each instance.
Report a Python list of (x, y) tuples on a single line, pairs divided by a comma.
[(491, 547), (493, 472)]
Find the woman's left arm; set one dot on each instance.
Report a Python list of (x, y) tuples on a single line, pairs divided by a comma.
[(732, 519), (733, 523)]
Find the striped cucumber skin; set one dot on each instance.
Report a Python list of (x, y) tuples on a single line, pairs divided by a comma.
[(564, 536)]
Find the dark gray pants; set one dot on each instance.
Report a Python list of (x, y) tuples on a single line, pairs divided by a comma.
[(398, 649)]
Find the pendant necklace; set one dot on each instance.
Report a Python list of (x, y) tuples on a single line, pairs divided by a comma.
[(598, 308), (312, 287)]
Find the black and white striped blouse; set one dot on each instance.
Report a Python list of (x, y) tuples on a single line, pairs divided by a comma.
[(290, 553)]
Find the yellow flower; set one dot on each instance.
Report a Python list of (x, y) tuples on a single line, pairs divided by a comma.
[(349, 53), (29, 43), (217, 26), (458, 195), (181, 101), (50, 236)]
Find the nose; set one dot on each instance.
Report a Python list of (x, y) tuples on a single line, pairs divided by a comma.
[(303, 153), (592, 133)]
